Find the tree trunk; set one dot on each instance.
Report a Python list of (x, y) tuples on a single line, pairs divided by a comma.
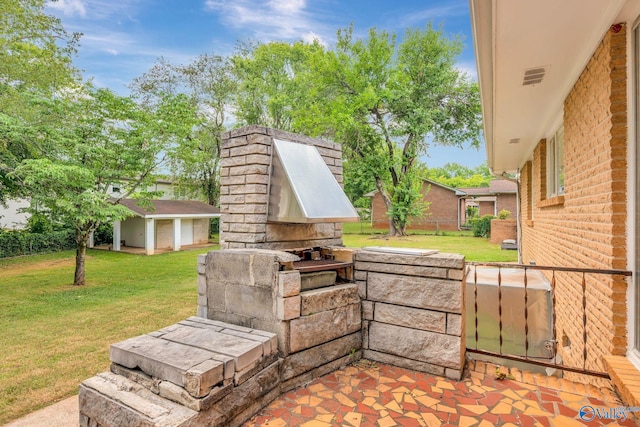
[(394, 228), (81, 251)]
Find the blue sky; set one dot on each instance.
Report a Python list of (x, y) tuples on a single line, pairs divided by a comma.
[(122, 38)]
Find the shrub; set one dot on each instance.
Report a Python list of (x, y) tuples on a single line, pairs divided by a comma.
[(504, 214), (16, 243), (482, 226), (103, 235)]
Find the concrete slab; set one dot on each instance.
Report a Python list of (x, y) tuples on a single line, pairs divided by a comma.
[(61, 414)]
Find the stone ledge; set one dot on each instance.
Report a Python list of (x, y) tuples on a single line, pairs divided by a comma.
[(625, 377)]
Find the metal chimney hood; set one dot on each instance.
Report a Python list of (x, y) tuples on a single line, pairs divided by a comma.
[(303, 189)]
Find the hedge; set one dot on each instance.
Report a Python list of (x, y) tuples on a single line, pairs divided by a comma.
[(16, 243)]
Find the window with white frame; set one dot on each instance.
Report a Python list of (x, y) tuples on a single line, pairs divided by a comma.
[(555, 164)]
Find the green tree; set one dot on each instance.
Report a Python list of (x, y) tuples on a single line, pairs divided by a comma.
[(35, 62), (381, 100), (102, 139), (271, 89), (458, 176), (208, 85)]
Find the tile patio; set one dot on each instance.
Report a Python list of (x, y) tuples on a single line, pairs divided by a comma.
[(369, 394)]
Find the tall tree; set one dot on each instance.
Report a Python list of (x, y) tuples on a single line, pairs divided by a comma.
[(381, 100), (270, 88), (102, 139), (208, 85), (35, 62), (459, 176)]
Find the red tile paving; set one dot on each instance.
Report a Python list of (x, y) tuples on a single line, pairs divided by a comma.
[(369, 394)]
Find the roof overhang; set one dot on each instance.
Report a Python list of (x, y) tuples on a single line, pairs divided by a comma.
[(511, 37)]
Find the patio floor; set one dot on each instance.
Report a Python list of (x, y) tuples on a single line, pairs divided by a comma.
[(369, 394)]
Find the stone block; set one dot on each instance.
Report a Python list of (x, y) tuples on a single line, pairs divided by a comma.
[(184, 365), (362, 289), (367, 310), (288, 283), (244, 375), (411, 317), (260, 138), (249, 301), (365, 334), (455, 274), (424, 346), (454, 324), (454, 374), (329, 298), (315, 329), (228, 266), (202, 282), (202, 300), (110, 400), (360, 275), (403, 362), (309, 376), (405, 270), (243, 351), (436, 294), (441, 260), (306, 360), (264, 268), (137, 376), (264, 383), (257, 179), (288, 308)]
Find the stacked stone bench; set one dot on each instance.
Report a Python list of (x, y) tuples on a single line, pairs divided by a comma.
[(195, 372)]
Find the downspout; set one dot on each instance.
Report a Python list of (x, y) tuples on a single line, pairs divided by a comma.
[(518, 218)]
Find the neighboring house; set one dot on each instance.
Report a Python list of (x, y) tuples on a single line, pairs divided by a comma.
[(446, 209), (499, 195), (170, 224), (447, 206), (12, 217), (560, 85)]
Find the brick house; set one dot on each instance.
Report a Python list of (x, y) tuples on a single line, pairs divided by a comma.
[(447, 206), (560, 89), (446, 209)]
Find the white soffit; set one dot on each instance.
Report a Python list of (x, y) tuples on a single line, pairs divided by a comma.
[(516, 40)]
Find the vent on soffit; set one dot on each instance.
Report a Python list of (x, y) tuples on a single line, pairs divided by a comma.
[(534, 76)]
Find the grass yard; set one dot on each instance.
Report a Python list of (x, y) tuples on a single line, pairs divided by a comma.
[(460, 242), (55, 335)]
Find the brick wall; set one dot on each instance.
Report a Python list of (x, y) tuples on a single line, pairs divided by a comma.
[(201, 230), (244, 181), (502, 229), (586, 227), (164, 234), (442, 213), (508, 202)]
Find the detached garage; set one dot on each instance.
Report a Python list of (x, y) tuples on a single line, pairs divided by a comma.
[(165, 225)]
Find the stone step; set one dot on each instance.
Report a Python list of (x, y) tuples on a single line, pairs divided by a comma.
[(196, 354), (110, 399)]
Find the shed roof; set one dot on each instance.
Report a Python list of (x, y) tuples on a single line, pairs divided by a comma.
[(172, 209)]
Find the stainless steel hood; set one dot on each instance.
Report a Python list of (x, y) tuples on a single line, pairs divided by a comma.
[(303, 189)]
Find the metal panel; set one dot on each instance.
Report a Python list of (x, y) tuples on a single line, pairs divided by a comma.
[(303, 189), (540, 332)]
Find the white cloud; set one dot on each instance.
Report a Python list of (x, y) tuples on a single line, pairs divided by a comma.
[(69, 7), (271, 20), (434, 14)]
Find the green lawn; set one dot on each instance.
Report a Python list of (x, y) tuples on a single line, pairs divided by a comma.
[(461, 242), (55, 335)]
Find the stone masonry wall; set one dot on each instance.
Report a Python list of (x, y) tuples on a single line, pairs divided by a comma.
[(586, 226), (244, 185), (413, 310), (317, 330)]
